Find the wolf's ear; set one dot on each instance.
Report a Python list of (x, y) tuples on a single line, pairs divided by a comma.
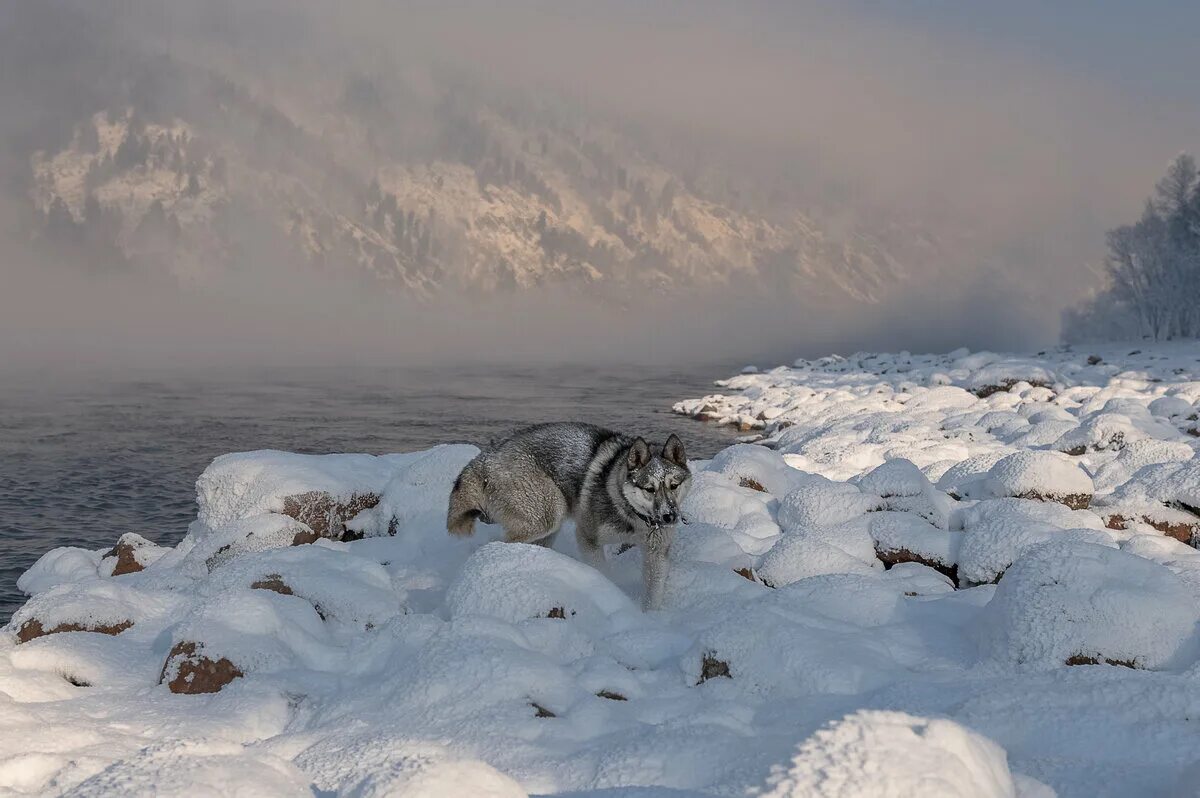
[(673, 451), (639, 455)]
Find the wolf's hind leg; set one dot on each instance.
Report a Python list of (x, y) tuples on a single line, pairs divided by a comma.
[(530, 509)]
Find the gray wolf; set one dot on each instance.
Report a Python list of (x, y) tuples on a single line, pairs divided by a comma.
[(617, 489)]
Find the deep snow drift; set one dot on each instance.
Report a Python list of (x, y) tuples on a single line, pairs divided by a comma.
[(943, 575)]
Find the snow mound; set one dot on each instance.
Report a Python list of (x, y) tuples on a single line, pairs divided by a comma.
[(1046, 476), (894, 755), (59, 566), (756, 468), (431, 777), (200, 767), (822, 502), (1078, 603), (997, 532), (518, 581)]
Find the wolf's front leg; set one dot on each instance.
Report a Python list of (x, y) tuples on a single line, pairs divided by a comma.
[(590, 548), (655, 553)]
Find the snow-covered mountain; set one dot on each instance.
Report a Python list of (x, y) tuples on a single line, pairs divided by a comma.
[(425, 183)]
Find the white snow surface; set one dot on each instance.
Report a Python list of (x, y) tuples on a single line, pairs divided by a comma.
[(788, 660)]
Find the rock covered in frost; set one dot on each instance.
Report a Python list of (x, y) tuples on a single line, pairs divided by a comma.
[(131, 554), (897, 755), (996, 532), (823, 502), (1165, 496), (518, 581), (60, 566), (181, 769), (1038, 475), (105, 606), (904, 488), (906, 538), (437, 777), (1069, 603), (756, 468)]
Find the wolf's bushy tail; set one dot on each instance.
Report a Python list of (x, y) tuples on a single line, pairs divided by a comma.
[(467, 499)]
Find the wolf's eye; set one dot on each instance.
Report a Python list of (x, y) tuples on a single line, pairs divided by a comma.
[(648, 488)]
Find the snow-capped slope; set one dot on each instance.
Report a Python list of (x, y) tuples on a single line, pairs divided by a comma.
[(198, 175)]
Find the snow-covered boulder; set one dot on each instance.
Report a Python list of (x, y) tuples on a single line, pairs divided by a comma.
[(518, 581), (756, 468), (197, 767), (844, 549), (1044, 476), (823, 502), (903, 487), (906, 538), (437, 777), (996, 532), (896, 755), (106, 606), (1078, 603), (60, 566), (131, 554), (1165, 496), (744, 514)]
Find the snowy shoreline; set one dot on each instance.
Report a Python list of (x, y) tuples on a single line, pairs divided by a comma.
[(962, 574)]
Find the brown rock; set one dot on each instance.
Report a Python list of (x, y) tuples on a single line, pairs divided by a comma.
[(558, 612), (890, 557), (1076, 501), (196, 673), (1183, 531), (31, 630), (752, 484), (304, 537), (272, 582), (752, 575), (1005, 385), (611, 696), (126, 561), (1083, 659), (324, 515), (712, 668), (542, 712)]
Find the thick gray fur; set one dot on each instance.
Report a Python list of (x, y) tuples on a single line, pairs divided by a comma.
[(617, 489)]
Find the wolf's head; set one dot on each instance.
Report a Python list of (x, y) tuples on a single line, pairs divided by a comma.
[(656, 483)]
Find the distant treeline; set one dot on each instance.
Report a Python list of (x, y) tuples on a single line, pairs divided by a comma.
[(1152, 269)]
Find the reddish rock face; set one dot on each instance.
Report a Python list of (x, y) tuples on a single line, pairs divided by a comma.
[(324, 515), (126, 562), (196, 673), (31, 630)]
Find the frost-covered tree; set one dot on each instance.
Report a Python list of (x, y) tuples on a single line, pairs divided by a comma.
[(1153, 268)]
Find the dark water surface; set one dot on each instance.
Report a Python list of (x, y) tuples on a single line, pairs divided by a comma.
[(84, 461)]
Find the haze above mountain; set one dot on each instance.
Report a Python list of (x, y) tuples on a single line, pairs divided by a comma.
[(305, 183)]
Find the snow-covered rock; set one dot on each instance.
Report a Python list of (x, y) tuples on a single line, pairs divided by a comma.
[(1079, 603), (896, 755)]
